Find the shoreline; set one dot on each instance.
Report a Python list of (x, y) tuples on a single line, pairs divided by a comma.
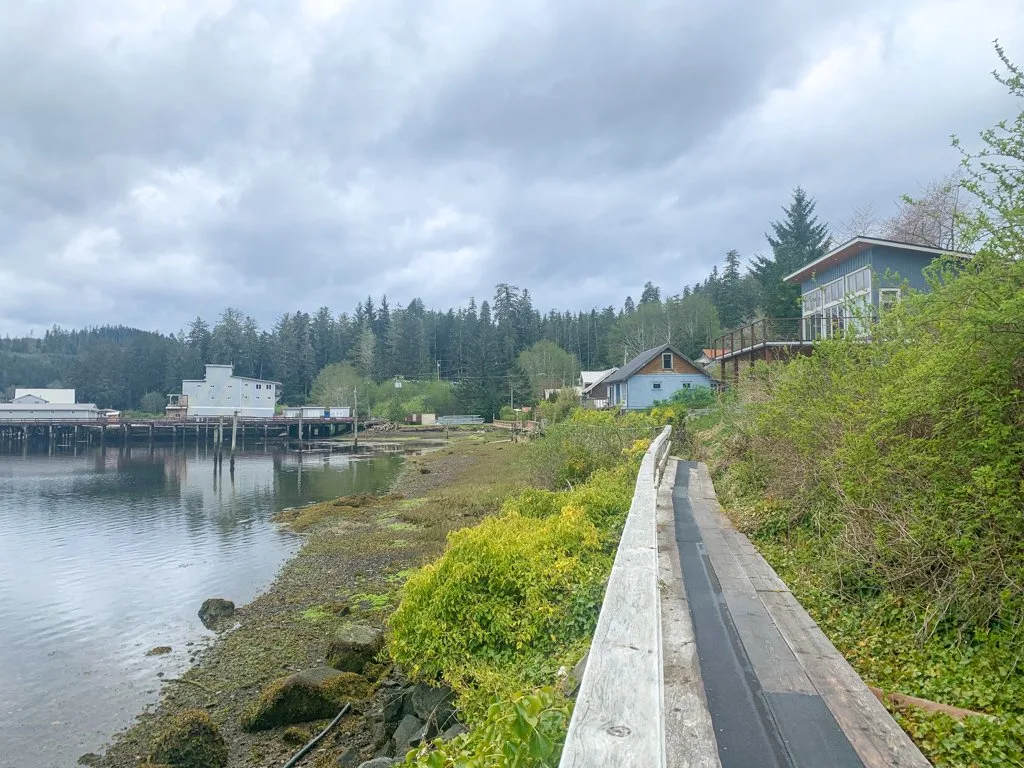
[(348, 569)]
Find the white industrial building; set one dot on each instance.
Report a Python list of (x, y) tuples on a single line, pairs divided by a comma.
[(38, 396), (31, 404), (222, 393)]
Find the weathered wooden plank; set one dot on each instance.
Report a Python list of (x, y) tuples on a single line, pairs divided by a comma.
[(689, 733), (774, 662), (619, 719), (875, 736)]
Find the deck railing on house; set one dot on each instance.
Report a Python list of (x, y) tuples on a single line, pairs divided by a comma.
[(787, 331)]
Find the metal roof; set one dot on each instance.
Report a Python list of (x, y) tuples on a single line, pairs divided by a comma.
[(602, 376)]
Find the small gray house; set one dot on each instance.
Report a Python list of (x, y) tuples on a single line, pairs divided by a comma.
[(857, 279), (653, 375)]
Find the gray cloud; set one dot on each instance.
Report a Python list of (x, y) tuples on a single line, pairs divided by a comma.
[(156, 164)]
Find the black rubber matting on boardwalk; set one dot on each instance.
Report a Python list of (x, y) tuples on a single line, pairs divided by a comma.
[(753, 729)]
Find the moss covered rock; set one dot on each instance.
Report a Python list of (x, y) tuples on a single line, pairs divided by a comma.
[(314, 694), (190, 740), (353, 647), (216, 613)]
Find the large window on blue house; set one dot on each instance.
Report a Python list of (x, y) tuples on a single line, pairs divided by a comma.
[(829, 309)]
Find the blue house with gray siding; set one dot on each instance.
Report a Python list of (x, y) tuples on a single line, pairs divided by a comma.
[(858, 279), (653, 375)]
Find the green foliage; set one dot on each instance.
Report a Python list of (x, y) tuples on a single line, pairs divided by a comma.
[(547, 366), (511, 592), (571, 450), (695, 397), (559, 408), (335, 386), (515, 598), (797, 240), (524, 730), (153, 402)]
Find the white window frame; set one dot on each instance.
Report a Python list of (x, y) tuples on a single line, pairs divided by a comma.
[(830, 315), (883, 292), (668, 356)]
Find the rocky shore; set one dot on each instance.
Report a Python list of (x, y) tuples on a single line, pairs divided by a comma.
[(289, 661)]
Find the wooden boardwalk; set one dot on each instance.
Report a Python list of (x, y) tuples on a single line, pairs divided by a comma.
[(745, 678)]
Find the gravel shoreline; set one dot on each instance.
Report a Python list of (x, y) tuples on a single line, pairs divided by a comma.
[(349, 569)]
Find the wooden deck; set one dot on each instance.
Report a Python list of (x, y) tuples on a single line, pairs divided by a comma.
[(744, 677)]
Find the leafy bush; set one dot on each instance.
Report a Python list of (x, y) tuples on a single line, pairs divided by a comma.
[(695, 397), (571, 451), (153, 402), (511, 593), (525, 730)]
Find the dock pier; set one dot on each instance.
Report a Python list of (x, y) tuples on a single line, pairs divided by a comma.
[(74, 434)]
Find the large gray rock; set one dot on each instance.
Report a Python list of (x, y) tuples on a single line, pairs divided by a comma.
[(409, 733), (435, 706), (349, 759), (393, 708), (453, 731), (353, 647), (216, 613)]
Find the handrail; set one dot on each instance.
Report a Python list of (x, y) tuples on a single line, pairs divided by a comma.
[(786, 330), (618, 720)]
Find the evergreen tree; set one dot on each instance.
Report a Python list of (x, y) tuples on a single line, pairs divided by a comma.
[(796, 240), (730, 302), (651, 294)]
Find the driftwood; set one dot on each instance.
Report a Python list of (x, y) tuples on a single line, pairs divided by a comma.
[(902, 700)]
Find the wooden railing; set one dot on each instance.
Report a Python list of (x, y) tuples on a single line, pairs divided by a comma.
[(787, 330), (619, 720)]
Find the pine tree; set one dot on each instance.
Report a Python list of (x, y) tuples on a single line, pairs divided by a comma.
[(795, 241), (651, 294), (730, 300)]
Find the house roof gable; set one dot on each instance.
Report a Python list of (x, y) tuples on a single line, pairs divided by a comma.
[(638, 362)]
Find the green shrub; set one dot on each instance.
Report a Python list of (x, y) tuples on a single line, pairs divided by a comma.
[(525, 730), (513, 592)]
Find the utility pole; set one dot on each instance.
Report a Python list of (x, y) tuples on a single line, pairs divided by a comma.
[(511, 407), (355, 414)]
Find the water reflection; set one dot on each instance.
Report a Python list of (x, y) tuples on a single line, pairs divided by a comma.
[(104, 555)]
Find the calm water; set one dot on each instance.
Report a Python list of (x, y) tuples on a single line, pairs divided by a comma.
[(103, 557)]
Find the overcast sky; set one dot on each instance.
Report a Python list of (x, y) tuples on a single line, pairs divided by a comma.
[(166, 158)]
